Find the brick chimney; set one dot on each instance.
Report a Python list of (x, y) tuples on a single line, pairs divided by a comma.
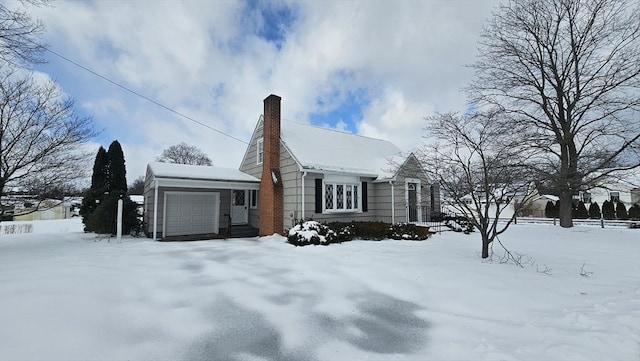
[(271, 190)]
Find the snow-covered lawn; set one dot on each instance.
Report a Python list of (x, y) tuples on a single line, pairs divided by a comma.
[(65, 295)]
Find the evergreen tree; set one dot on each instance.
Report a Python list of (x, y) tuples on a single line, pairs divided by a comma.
[(580, 211), (103, 218), (608, 210), (99, 185), (634, 212), (621, 211), (594, 211), (117, 170), (549, 210)]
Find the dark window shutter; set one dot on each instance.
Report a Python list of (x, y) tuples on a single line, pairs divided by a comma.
[(318, 195), (365, 199)]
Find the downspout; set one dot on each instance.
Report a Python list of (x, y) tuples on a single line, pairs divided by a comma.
[(155, 209), (304, 174), (393, 202)]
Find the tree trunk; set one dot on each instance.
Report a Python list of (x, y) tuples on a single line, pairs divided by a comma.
[(485, 248), (565, 211)]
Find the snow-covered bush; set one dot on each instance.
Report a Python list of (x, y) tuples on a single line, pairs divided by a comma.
[(459, 224), (409, 231), (311, 232)]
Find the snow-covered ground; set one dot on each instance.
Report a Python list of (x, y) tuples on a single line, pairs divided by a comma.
[(66, 295)]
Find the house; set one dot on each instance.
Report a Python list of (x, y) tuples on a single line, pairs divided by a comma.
[(47, 209), (626, 191), (292, 171), (521, 199)]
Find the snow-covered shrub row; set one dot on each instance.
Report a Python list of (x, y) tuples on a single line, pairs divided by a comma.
[(312, 232)]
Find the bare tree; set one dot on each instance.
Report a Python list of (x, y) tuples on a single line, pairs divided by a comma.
[(137, 187), (480, 169), (570, 71), (20, 43), (39, 135), (184, 154)]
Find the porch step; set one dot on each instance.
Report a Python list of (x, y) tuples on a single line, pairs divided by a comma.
[(243, 231)]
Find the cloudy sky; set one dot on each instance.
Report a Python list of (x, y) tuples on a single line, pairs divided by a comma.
[(375, 68)]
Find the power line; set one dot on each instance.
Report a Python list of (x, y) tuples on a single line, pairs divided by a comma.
[(144, 96)]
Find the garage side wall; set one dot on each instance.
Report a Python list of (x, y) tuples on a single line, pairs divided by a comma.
[(225, 207)]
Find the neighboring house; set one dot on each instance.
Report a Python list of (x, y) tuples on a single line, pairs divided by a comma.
[(521, 198), (625, 191), (292, 171), (47, 209)]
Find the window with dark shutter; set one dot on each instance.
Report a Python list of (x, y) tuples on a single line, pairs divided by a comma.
[(318, 195), (365, 199)]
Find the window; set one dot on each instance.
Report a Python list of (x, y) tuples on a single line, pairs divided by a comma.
[(586, 197), (260, 152), (254, 199), (615, 196), (341, 196)]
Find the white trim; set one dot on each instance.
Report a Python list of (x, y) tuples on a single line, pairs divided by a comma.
[(155, 210), (260, 144), (418, 184), (219, 184), (335, 182), (302, 216), (164, 209), (393, 202)]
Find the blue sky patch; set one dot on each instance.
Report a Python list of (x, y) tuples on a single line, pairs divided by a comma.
[(340, 108), (272, 19)]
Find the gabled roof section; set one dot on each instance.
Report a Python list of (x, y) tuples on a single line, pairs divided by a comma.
[(253, 135), (199, 172), (328, 150)]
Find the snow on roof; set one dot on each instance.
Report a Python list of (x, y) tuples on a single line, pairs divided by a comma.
[(335, 151), (200, 172)]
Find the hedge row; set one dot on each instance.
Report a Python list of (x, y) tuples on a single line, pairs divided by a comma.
[(312, 232)]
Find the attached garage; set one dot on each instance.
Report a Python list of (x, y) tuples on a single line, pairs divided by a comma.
[(193, 202), (188, 213)]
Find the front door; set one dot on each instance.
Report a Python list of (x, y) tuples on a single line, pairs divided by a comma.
[(239, 207), (412, 201)]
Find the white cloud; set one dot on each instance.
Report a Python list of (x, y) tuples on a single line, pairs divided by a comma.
[(205, 60)]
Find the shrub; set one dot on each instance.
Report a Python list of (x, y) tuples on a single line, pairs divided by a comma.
[(311, 232), (103, 218), (621, 211), (459, 224), (634, 212), (594, 211), (550, 210), (580, 211), (360, 230), (608, 211), (409, 231)]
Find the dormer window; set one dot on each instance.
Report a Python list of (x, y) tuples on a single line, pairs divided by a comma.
[(260, 152)]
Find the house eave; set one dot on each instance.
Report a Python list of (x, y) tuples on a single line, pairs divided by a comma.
[(204, 183)]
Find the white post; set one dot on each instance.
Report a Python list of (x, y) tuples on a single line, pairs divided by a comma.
[(119, 220)]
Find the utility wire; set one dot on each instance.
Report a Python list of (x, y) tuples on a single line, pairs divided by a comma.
[(143, 96)]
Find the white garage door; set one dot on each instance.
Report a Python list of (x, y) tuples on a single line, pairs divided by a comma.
[(191, 213)]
